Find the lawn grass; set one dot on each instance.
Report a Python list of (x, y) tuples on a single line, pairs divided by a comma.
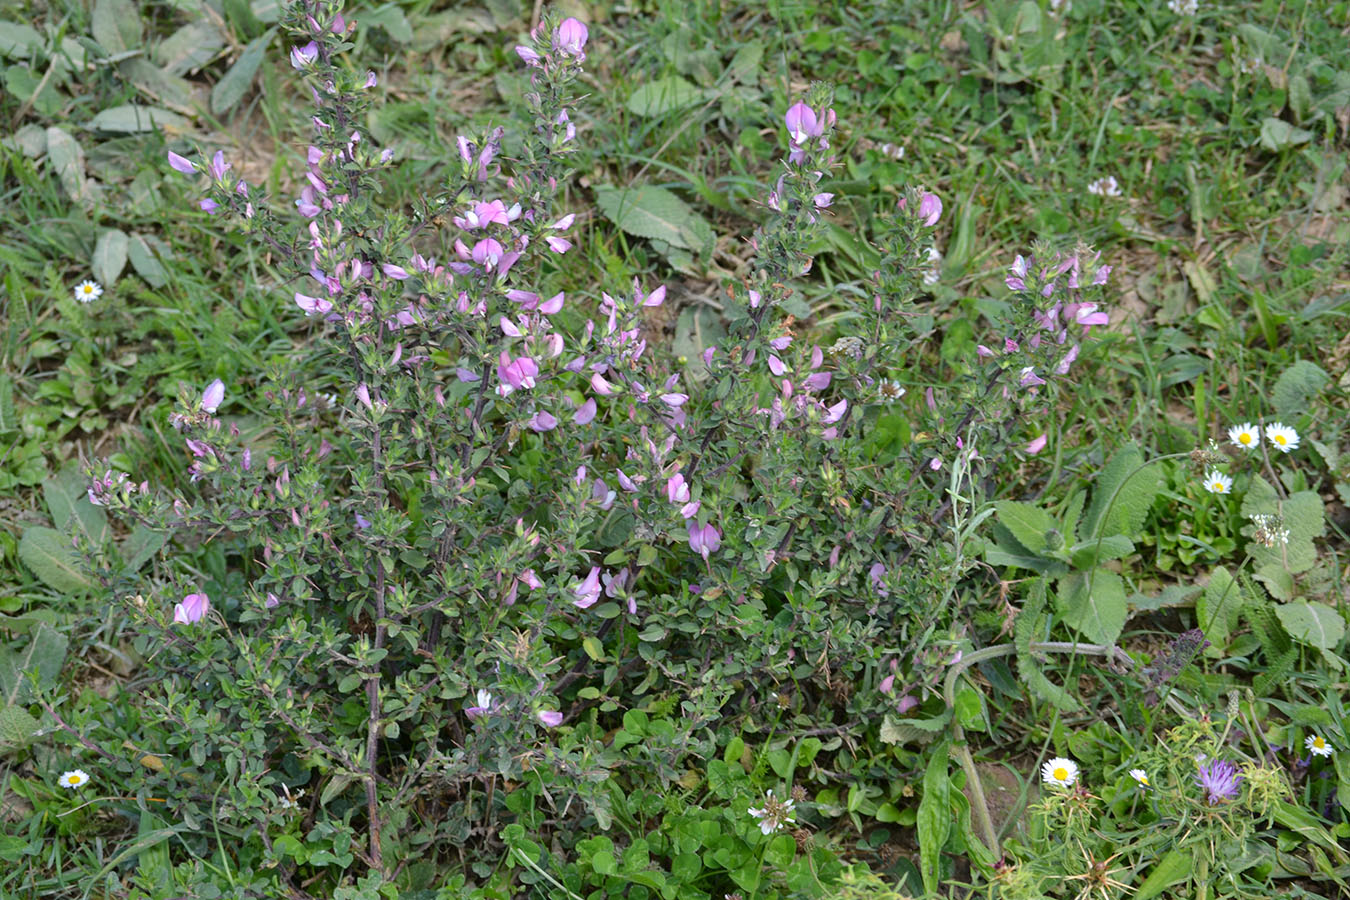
[(1230, 244)]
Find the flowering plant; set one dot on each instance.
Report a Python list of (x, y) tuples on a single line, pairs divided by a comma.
[(486, 516)]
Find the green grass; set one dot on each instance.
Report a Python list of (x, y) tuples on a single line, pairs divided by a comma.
[(1231, 252)]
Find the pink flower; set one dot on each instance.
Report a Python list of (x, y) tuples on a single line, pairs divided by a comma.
[(212, 396), (398, 273), (801, 123), (529, 57), (516, 374), (302, 57), (705, 540), (484, 702), (585, 413), (550, 718), (488, 253), (1037, 445), (676, 489), (312, 305), (219, 166), (193, 609), (587, 591), (182, 164), (571, 38), (542, 421), (930, 209)]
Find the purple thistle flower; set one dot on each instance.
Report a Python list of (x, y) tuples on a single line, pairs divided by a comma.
[(1221, 781)]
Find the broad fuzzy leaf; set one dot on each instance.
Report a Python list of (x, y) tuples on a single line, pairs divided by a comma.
[(935, 818), (654, 212), (1315, 624), (110, 256), (1093, 602), (67, 496), (1029, 524), (44, 652), (48, 555), (1218, 607), (67, 158), (1121, 499), (656, 98), (134, 118), (1297, 387)]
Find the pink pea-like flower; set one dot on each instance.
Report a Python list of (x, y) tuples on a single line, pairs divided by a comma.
[(586, 413), (801, 123), (398, 273), (516, 374), (182, 164), (705, 540), (312, 305), (193, 609), (1037, 445), (212, 396), (930, 209), (550, 718), (541, 422), (219, 166), (488, 253), (676, 489), (587, 591), (571, 38), (305, 56), (527, 55)]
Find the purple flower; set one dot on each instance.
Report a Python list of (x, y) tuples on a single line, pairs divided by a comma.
[(212, 396), (483, 699), (930, 209), (550, 718), (219, 166), (542, 421), (676, 489), (587, 591), (182, 164), (193, 609), (801, 123), (527, 55), (518, 373), (586, 413), (301, 57), (1221, 781), (705, 540), (571, 38)]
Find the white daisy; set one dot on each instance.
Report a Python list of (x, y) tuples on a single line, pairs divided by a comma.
[(1105, 187), (1282, 437), (88, 291), (1245, 435), (774, 814), (1318, 745), (1140, 776), (889, 390), (1218, 483), (1059, 772), (77, 778)]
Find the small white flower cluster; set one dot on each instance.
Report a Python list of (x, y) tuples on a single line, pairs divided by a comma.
[(1105, 187), (1268, 531), (1250, 64), (1183, 7), (894, 151), (933, 273), (775, 814)]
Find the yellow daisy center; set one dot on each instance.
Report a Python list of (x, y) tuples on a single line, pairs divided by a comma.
[(1143, 779), (1061, 774), (1218, 486), (1319, 743), (1280, 439), (87, 289), (1244, 438), (75, 779)]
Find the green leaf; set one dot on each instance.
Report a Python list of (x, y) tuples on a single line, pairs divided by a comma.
[(66, 157), (594, 649), (1174, 868), (110, 256), (1124, 492), (663, 95), (1277, 134), (1090, 553), (1315, 624), (67, 496), (1029, 524), (1094, 603), (1297, 387), (935, 818), (116, 25), (189, 48), (745, 64), (152, 864), (1301, 514), (48, 555), (16, 727), (44, 652), (140, 546), (134, 118), (654, 212), (1028, 627), (20, 41), (145, 262), (234, 84), (1218, 607), (392, 20)]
